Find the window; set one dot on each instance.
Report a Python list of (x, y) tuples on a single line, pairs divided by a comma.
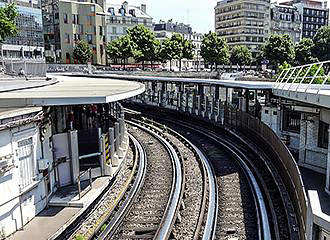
[(114, 30), (24, 153), (93, 9), (67, 38), (65, 18), (291, 120), (75, 19), (323, 140), (90, 39)]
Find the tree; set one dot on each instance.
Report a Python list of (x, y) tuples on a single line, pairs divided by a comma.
[(278, 49), (214, 50), (8, 26), (321, 41), (240, 55), (144, 40), (166, 51), (304, 53), (177, 42), (188, 50), (113, 49), (82, 52), (123, 48)]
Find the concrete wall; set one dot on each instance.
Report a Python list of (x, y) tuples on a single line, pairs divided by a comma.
[(19, 205)]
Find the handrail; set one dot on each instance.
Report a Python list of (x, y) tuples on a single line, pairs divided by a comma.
[(89, 171)]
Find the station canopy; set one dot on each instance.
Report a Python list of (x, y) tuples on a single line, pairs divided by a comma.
[(72, 91)]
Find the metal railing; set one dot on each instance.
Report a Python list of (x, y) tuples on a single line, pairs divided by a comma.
[(304, 78), (90, 185)]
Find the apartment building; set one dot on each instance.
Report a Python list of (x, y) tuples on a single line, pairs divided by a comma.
[(314, 14), (165, 30), (28, 43), (119, 18), (243, 22), (286, 20), (66, 22)]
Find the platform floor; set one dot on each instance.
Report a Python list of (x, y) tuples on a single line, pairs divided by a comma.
[(46, 223), (53, 220), (69, 196), (316, 181)]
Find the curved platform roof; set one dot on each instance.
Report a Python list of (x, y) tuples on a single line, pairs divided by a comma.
[(72, 91), (255, 85)]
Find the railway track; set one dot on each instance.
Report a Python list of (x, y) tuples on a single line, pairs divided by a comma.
[(233, 187)]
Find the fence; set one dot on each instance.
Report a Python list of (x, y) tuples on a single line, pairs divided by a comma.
[(30, 67), (54, 67), (279, 155)]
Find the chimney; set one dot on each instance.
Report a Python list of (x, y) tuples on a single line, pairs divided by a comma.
[(144, 8)]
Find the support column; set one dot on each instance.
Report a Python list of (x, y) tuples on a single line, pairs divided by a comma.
[(199, 105), (74, 154), (247, 100), (117, 140), (187, 102), (113, 156), (194, 103), (216, 92), (226, 96), (101, 150), (212, 103), (179, 104), (327, 184), (200, 89)]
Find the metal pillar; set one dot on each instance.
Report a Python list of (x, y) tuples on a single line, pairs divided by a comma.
[(216, 92), (112, 146), (247, 100)]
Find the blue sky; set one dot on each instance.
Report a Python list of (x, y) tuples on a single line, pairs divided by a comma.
[(198, 13)]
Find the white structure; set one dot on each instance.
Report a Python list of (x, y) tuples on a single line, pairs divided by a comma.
[(119, 18), (26, 167)]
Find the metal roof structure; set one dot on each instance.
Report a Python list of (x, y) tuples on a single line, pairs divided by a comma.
[(255, 85), (72, 91)]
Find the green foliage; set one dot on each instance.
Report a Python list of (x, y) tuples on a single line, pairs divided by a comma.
[(321, 41), (8, 26), (240, 55), (123, 48), (188, 49), (82, 52), (214, 49), (279, 49), (80, 237), (303, 51), (113, 49), (145, 43), (311, 73), (166, 52)]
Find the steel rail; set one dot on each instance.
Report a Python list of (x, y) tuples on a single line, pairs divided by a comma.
[(177, 189), (266, 234), (211, 220), (136, 188), (258, 196)]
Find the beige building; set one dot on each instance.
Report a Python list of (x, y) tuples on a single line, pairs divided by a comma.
[(69, 22), (243, 22)]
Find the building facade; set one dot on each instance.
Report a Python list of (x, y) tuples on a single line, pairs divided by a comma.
[(164, 30), (29, 42), (243, 22), (119, 18), (314, 15), (286, 20), (66, 22), (26, 167)]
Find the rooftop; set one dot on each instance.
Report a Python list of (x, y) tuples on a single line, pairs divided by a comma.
[(71, 91)]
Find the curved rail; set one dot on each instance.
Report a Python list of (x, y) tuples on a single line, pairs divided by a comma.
[(266, 234), (177, 189), (136, 188), (211, 220)]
